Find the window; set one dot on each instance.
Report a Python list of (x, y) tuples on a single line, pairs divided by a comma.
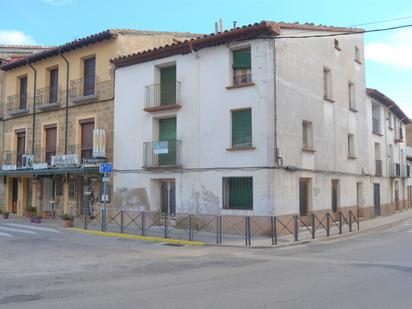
[(351, 146), (238, 193), (21, 147), (336, 42), (242, 66), (89, 74), (376, 118), (351, 93), (390, 122), (242, 128), (23, 93), (307, 135), (378, 161), (327, 84), (53, 87), (72, 188), (357, 55)]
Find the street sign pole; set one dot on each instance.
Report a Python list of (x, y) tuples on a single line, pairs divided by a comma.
[(105, 169), (104, 200)]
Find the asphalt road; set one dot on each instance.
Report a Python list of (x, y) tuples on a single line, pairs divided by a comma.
[(56, 268)]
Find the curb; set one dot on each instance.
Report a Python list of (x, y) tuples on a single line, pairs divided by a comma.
[(137, 237)]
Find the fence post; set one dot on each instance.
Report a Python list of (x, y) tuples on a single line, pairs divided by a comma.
[(143, 222), (295, 219), (85, 219), (272, 230), (313, 226), (340, 222), (327, 225), (350, 220), (166, 226), (190, 228), (121, 221)]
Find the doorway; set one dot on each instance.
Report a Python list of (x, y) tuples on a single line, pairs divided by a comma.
[(335, 195), (48, 193), (15, 195), (397, 195), (168, 197), (304, 191), (377, 199)]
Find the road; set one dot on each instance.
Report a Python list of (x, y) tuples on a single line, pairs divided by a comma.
[(57, 268)]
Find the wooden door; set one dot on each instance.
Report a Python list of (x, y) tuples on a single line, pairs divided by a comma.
[(21, 148), (303, 197), (87, 128), (51, 140), (168, 86), (15, 195)]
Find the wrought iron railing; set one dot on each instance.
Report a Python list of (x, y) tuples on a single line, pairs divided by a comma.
[(18, 103), (90, 88), (244, 78), (162, 154), (162, 96), (220, 229), (378, 167), (47, 96), (14, 158)]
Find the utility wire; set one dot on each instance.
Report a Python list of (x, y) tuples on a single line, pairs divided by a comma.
[(381, 21), (343, 33)]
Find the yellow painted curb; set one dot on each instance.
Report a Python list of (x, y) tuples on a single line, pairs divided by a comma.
[(145, 238)]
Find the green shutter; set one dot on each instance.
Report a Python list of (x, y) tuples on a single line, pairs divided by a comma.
[(242, 59), (168, 86), (242, 129), (240, 193), (167, 132)]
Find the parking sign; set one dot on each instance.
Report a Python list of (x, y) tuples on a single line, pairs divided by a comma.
[(105, 168)]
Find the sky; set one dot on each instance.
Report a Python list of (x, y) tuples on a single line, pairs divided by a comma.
[(388, 54)]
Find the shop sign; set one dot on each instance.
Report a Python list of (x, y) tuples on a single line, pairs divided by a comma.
[(9, 167), (161, 147), (40, 166), (94, 161), (65, 160)]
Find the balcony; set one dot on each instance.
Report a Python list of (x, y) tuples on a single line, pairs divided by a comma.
[(162, 96), (90, 89), (162, 154), (378, 167), (17, 159), (18, 104), (395, 170), (376, 126), (49, 98)]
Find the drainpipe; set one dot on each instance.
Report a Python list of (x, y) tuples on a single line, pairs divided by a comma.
[(34, 106), (277, 157), (67, 103)]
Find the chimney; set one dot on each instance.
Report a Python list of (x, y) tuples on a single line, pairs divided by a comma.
[(221, 24)]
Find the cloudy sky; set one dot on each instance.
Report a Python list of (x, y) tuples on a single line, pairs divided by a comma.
[(389, 54)]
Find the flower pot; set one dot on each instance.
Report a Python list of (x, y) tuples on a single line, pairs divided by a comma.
[(5, 216), (37, 219), (32, 220), (68, 223)]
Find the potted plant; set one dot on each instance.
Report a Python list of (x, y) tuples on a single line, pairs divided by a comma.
[(30, 211), (68, 220), (5, 214), (37, 218)]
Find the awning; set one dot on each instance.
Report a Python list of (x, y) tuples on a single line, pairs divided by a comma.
[(85, 170)]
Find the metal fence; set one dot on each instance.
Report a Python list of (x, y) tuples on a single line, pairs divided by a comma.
[(221, 229)]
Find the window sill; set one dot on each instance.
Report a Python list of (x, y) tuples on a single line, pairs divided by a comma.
[(353, 109), (377, 133), (352, 158), (329, 99), (84, 99), (240, 148), (309, 150), (240, 86), (358, 61)]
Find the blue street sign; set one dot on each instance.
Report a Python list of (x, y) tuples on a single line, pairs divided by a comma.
[(105, 168)]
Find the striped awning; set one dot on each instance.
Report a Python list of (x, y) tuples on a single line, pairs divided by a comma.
[(86, 170)]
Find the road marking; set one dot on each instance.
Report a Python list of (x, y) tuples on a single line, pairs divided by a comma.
[(11, 229), (6, 234), (36, 228)]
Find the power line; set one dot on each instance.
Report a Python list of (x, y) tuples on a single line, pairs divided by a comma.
[(381, 21), (343, 33)]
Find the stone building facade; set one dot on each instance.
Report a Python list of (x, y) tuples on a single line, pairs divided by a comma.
[(58, 124)]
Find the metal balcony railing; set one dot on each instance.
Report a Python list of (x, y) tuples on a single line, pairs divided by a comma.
[(84, 89), (49, 97), (378, 167), (162, 96), (376, 126), (162, 154), (18, 103), (14, 158), (244, 78), (83, 151)]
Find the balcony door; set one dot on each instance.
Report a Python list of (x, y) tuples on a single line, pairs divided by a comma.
[(167, 132), (87, 127), (54, 80), (23, 93), (51, 140), (168, 86), (21, 148), (89, 83)]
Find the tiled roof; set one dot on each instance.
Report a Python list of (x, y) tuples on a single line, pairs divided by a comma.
[(264, 28), (389, 103), (91, 39)]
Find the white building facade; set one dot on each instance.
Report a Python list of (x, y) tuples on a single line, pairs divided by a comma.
[(258, 120)]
